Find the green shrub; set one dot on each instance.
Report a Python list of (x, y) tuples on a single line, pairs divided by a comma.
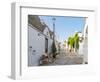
[(74, 41), (53, 49)]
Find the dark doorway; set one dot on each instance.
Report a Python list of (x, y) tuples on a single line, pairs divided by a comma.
[(46, 45)]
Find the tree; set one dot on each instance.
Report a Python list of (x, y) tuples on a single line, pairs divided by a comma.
[(76, 40), (69, 40), (73, 42), (59, 47), (53, 49)]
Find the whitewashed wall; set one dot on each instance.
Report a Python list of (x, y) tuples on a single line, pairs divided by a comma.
[(85, 50), (38, 44), (81, 49), (49, 45), (46, 32), (85, 46)]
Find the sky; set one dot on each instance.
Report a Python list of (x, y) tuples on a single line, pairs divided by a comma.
[(65, 26)]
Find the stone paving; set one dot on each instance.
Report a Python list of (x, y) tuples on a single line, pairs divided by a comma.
[(65, 58)]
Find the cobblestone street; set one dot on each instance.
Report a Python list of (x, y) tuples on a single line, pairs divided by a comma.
[(65, 58)]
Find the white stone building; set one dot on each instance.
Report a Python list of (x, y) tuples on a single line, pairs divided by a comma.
[(40, 39), (85, 42), (83, 49)]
